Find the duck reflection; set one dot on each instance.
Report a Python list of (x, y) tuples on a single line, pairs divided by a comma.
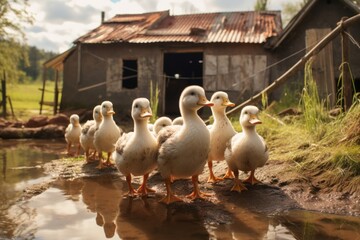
[(102, 196), (145, 218)]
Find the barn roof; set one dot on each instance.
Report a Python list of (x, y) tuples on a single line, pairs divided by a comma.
[(299, 17), (155, 27)]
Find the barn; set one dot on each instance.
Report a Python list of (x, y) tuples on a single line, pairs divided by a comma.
[(317, 19), (128, 53), (237, 52)]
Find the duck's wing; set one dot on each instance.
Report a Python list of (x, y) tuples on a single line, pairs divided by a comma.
[(266, 147), (86, 127), (166, 133), (122, 141)]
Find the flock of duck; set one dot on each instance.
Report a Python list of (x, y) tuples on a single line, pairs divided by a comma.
[(176, 149)]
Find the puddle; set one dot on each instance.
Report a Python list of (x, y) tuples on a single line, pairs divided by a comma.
[(95, 208)]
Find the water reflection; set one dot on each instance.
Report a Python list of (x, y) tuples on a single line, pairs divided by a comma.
[(21, 166), (95, 208)]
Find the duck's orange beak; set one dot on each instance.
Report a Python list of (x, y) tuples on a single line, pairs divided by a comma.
[(203, 101), (145, 113), (227, 103), (110, 112), (254, 119)]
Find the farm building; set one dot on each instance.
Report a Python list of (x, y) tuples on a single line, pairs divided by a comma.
[(120, 59), (308, 27), (237, 52)]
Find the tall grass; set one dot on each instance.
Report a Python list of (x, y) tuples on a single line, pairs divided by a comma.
[(313, 107), (154, 100)]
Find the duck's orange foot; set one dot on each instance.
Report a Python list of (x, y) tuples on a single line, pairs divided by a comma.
[(100, 165), (228, 175), (238, 187), (170, 199), (213, 179), (198, 195), (109, 164), (251, 179)]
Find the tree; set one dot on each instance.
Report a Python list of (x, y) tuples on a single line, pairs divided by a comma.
[(13, 15), (290, 9), (260, 5)]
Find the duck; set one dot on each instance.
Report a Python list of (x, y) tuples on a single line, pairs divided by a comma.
[(107, 134), (160, 123), (135, 153), (88, 131), (220, 132), (72, 134), (178, 121), (247, 150), (183, 153)]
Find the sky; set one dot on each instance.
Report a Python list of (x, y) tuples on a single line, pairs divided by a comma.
[(58, 23)]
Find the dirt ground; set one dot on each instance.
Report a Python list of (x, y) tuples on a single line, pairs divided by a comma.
[(281, 189)]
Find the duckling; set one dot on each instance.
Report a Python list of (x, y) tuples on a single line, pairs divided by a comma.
[(136, 152), (72, 134), (160, 123), (88, 131), (107, 134), (183, 153), (246, 151), (220, 132), (178, 121)]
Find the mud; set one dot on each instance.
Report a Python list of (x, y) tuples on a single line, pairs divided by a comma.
[(282, 189)]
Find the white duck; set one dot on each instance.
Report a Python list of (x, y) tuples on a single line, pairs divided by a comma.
[(178, 121), (220, 132), (88, 132), (247, 150), (160, 123), (107, 134), (184, 152), (135, 153), (72, 134)]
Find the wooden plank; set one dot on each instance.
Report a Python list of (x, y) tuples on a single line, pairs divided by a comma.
[(322, 66), (114, 74)]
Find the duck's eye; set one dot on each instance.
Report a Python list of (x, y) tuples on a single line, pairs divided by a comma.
[(192, 93), (246, 112), (217, 97), (136, 106)]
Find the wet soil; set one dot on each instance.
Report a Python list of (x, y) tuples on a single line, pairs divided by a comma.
[(281, 189)]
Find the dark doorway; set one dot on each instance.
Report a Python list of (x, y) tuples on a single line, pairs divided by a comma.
[(181, 70)]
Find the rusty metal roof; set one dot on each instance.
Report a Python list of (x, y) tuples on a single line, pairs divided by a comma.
[(226, 27)]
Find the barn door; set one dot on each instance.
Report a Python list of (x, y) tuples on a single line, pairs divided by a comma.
[(323, 65)]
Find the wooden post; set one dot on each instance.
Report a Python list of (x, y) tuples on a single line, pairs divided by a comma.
[(43, 89), (3, 92), (56, 91), (346, 80)]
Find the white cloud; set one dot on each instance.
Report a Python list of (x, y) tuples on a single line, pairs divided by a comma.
[(58, 23)]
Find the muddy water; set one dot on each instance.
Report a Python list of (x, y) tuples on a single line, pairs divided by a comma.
[(95, 208)]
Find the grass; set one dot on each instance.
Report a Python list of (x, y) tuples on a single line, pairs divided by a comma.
[(332, 160), (25, 99)]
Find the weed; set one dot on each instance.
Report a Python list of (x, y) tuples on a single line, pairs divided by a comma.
[(154, 101)]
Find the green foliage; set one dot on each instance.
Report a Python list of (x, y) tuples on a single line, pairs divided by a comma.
[(260, 5), (313, 108), (264, 101), (13, 15), (154, 100), (290, 9)]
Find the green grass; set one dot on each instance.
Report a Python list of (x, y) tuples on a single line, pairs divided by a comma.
[(25, 99), (333, 159)]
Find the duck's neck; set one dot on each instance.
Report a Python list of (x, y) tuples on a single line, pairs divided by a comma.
[(249, 130), (191, 116), (141, 128), (220, 116)]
